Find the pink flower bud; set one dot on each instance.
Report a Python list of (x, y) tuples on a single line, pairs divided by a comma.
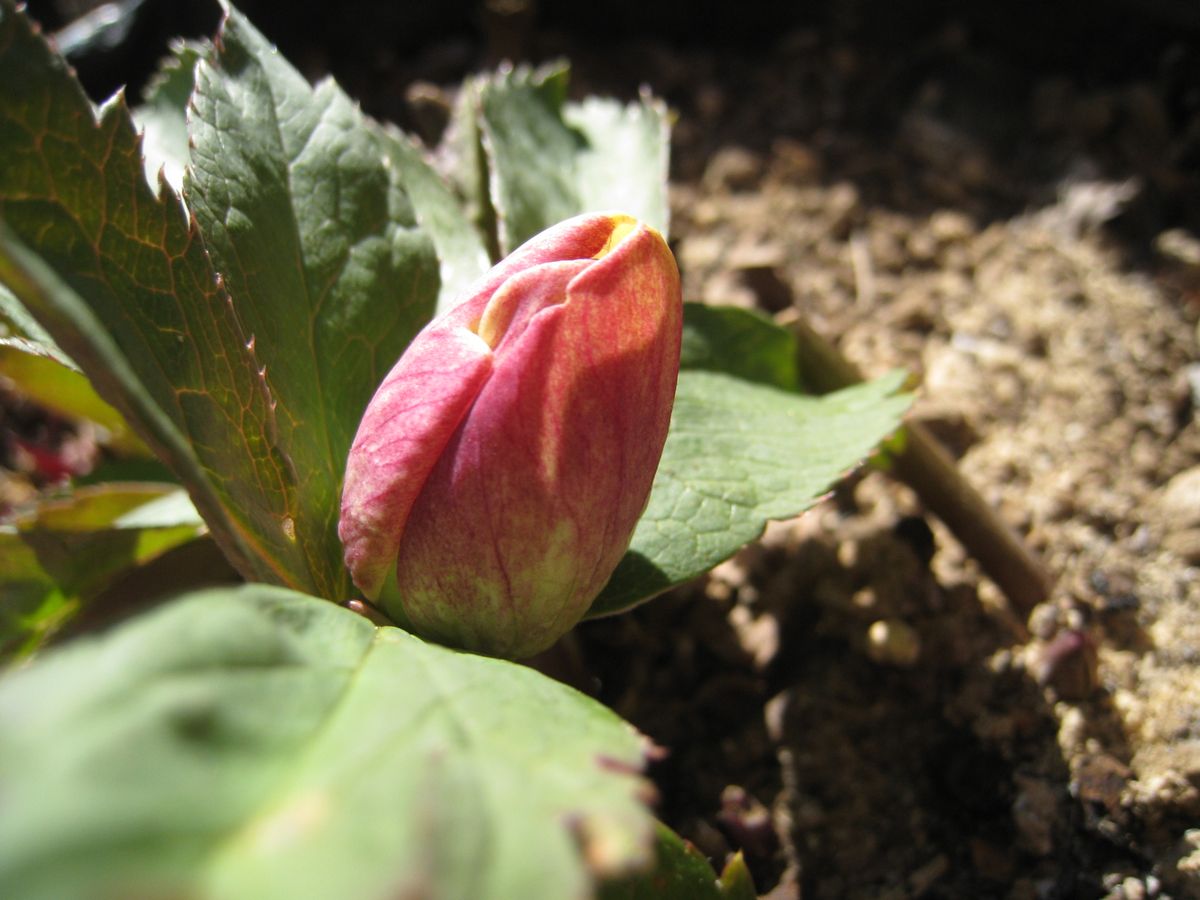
[(503, 463)]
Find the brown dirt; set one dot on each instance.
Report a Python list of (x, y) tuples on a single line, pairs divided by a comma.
[(850, 702)]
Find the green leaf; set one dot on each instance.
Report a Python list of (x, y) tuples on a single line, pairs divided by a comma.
[(549, 160), (16, 322), (462, 257), (738, 342), (318, 243), (52, 380), (162, 117), (257, 743), (739, 454), (462, 158), (59, 555), (736, 882), (119, 278), (682, 873), (624, 159)]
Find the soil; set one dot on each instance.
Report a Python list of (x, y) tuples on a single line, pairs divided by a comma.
[(849, 702)]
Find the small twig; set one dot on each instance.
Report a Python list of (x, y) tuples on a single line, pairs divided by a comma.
[(864, 271), (930, 471)]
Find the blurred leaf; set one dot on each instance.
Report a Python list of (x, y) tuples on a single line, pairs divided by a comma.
[(118, 276), (739, 454), (738, 342), (99, 30), (15, 348), (549, 160), (257, 743), (59, 555), (318, 243), (18, 323), (118, 469), (736, 882), (52, 380), (681, 873), (162, 117), (625, 156), (530, 152), (463, 160), (462, 257)]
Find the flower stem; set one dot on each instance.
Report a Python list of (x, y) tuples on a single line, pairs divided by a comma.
[(925, 466)]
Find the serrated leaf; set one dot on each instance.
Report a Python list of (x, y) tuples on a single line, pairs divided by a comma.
[(548, 160), (682, 873), (318, 243), (784, 450), (61, 553), (257, 743), (162, 116), (738, 455), (119, 278)]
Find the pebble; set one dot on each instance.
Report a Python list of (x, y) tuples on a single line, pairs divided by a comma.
[(1035, 813), (732, 169), (1100, 778), (1184, 544), (1179, 500), (792, 160), (1179, 246), (949, 226), (775, 716), (1044, 621), (893, 642), (1067, 663), (1072, 730)]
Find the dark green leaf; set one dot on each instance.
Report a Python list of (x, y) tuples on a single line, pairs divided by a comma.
[(462, 257), (682, 873), (16, 322), (739, 454), (462, 157), (548, 160), (738, 342), (257, 743), (318, 243), (119, 278)]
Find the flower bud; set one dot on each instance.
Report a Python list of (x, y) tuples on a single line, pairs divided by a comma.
[(503, 463)]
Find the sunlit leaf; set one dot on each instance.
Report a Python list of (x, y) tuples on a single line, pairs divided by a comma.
[(162, 116), (257, 743), (119, 278), (739, 454), (549, 160)]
